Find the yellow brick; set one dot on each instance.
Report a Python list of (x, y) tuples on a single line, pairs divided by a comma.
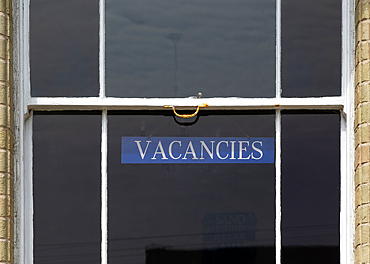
[(358, 75), (362, 73), (5, 25), (363, 52), (6, 207), (6, 162), (357, 217), (362, 235), (6, 6), (365, 174), (357, 236), (8, 202), (11, 164), (11, 118), (362, 215), (365, 72), (365, 153), (10, 190), (5, 49), (363, 93), (5, 95), (357, 157), (357, 137), (357, 177), (357, 197), (358, 33), (5, 72), (6, 139), (365, 194), (357, 117), (363, 31), (6, 251), (362, 134), (358, 255), (362, 11), (5, 118), (358, 12), (6, 229), (365, 254), (6, 185), (362, 114), (10, 230)]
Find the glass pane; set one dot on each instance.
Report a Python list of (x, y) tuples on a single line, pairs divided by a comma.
[(190, 212), (311, 48), (64, 45), (66, 188), (310, 188), (177, 48)]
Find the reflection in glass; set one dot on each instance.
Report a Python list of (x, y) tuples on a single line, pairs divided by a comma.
[(310, 187), (66, 188), (190, 213), (175, 48), (311, 48), (64, 47)]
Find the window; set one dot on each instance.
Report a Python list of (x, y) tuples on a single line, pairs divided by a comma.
[(277, 70)]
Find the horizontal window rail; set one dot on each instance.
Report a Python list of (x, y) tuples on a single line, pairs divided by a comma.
[(96, 103)]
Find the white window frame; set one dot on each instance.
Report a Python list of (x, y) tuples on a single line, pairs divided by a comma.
[(25, 105)]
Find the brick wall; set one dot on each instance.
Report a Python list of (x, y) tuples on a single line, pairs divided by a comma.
[(362, 132), (6, 136)]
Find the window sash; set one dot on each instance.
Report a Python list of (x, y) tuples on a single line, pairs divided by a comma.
[(25, 104)]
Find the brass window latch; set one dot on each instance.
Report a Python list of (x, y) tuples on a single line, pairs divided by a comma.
[(188, 115)]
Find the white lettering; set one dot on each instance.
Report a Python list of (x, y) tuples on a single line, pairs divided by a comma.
[(241, 149), (141, 150), (218, 149), (232, 149), (170, 149), (258, 150), (206, 148), (191, 151), (159, 152)]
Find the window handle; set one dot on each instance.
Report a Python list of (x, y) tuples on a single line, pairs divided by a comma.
[(186, 115)]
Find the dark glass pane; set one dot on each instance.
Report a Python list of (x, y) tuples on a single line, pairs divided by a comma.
[(64, 47), (190, 213), (177, 48), (311, 48), (310, 188), (66, 188)]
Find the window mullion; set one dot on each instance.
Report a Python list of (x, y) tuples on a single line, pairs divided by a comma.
[(278, 187), (102, 48), (104, 189), (278, 49)]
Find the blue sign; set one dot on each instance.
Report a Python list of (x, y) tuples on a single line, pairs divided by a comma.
[(197, 150)]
